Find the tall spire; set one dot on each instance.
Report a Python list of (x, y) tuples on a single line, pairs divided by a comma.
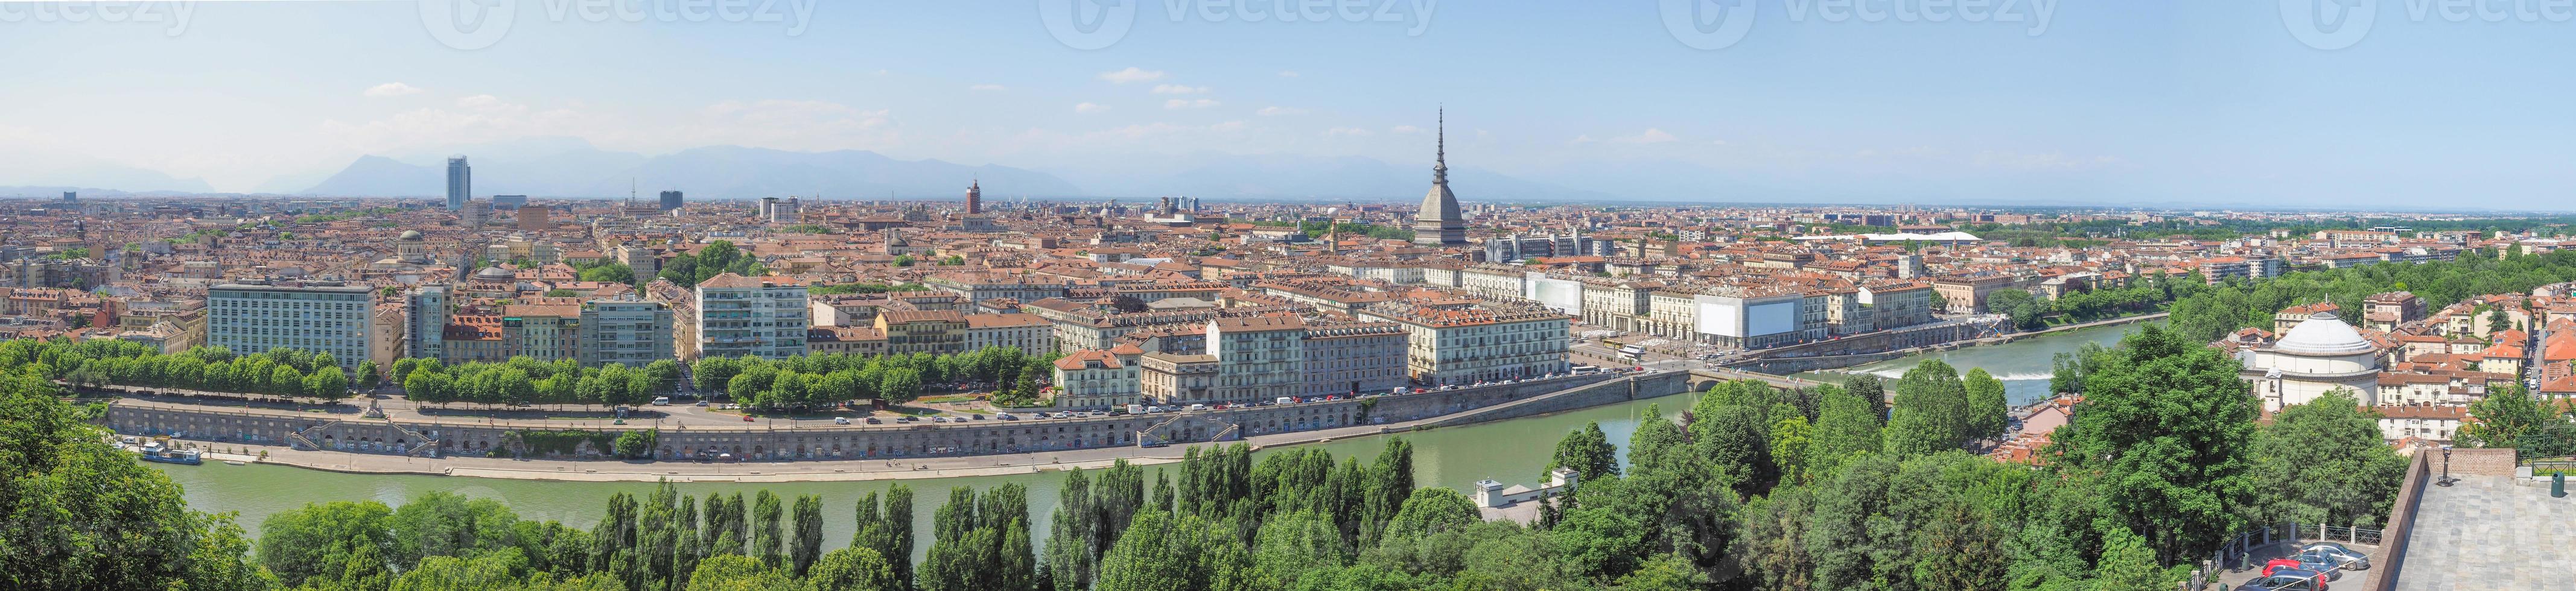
[(1440, 161)]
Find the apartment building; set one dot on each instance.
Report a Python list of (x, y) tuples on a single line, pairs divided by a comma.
[(758, 316), (1095, 379), (918, 331), (322, 318), (1028, 332), (1258, 357), (630, 332), (1465, 346)]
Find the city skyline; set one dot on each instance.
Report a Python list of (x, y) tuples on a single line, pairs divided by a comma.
[(2198, 102)]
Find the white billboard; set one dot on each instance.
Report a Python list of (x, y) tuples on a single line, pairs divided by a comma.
[(1561, 295), (1718, 316), (1772, 318)]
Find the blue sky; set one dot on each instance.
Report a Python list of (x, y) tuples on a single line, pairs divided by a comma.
[(2189, 101)]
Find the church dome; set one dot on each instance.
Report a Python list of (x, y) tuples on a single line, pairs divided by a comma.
[(494, 273), (411, 235), (2324, 335)]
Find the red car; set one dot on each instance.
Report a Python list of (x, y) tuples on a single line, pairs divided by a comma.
[(746, 418)]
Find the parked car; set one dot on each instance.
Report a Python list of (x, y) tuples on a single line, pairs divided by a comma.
[(2282, 583), (662, 401), (2319, 576), (2299, 561), (2340, 554), (702, 403)]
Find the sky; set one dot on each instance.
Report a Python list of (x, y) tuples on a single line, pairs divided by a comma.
[(2395, 103)]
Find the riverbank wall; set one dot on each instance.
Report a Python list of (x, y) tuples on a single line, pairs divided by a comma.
[(1786, 365), (377, 445)]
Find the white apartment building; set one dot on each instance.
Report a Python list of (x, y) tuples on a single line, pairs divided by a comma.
[(1033, 334), (333, 319), (1095, 379), (1258, 357), (1353, 358), (1465, 346), (758, 316), (630, 332)]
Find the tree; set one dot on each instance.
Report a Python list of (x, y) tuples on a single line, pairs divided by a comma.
[(2324, 462), (1845, 429), (739, 573), (2128, 564), (808, 544), (1390, 483), (369, 375), (1869, 390), (2503, 416), (1162, 552), (1988, 413), (853, 569), (447, 524), (1433, 510), (765, 540), (311, 545), (1586, 451), (2165, 431), (327, 384), (1931, 413)]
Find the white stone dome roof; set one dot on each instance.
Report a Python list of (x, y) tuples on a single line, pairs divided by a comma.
[(2323, 334), (411, 235)]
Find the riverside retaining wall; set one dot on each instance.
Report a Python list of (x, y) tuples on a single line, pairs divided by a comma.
[(844, 442)]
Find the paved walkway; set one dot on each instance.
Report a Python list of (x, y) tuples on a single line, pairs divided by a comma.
[(2487, 532), (795, 471)]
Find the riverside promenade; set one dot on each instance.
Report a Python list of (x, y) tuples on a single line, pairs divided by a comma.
[(836, 470)]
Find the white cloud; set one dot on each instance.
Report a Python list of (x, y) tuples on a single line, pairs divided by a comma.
[(1132, 74), (1649, 136), (1179, 89), (1405, 129), (391, 89), (1090, 108), (1287, 73), (1189, 103), (1349, 131), (988, 87), (1279, 111)]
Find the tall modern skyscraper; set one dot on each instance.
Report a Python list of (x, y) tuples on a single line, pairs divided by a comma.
[(460, 183), (1439, 223), (670, 200)]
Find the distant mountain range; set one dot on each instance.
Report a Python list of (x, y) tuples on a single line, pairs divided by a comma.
[(572, 168), (721, 172)]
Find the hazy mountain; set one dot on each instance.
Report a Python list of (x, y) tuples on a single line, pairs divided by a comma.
[(378, 176), (1324, 178), (733, 172), (720, 172), (106, 176)]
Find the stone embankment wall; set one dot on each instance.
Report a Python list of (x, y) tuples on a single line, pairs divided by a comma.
[(844, 442)]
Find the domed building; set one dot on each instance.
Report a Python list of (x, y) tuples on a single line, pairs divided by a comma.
[(2319, 355)]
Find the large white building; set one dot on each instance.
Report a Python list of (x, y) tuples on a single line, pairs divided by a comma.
[(2322, 354), (1258, 357), (1468, 345), (758, 316), (333, 319), (629, 332)]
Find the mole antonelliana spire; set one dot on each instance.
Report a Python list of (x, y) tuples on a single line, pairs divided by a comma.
[(1439, 223)]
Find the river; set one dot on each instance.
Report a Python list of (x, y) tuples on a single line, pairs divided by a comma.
[(2025, 365), (1510, 451)]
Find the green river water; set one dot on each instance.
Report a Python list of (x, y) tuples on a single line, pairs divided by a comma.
[(1508, 451)]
